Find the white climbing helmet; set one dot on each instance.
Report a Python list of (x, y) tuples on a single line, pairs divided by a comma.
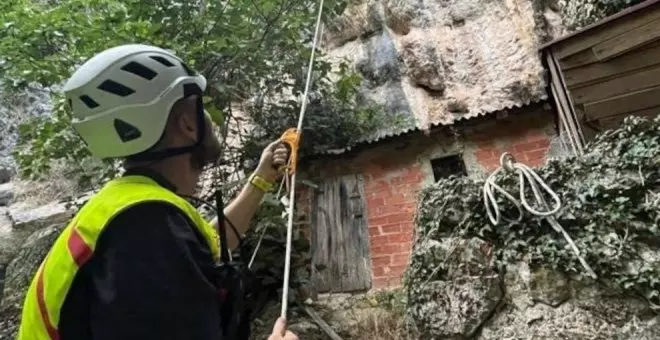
[(121, 97)]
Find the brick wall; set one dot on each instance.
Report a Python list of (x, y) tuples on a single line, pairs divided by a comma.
[(527, 140), (395, 171), (391, 191)]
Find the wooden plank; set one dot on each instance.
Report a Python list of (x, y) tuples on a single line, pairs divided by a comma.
[(341, 258), (626, 103), (354, 220), (644, 57), (614, 121), (565, 107), (322, 324), (640, 79), (581, 59), (627, 41), (564, 128), (594, 36), (323, 218), (572, 113)]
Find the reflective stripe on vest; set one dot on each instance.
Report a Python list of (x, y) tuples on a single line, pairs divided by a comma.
[(75, 246)]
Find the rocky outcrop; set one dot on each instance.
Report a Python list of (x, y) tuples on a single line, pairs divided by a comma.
[(27, 218), (457, 297), (19, 274), (5, 173), (10, 241), (442, 61), (523, 303), (19, 220), (541, 308), (17, 108), (26, 234), (6, 194), (22, 268)]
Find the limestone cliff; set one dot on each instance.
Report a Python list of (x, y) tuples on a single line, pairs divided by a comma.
[(442, 61), (14, 110)]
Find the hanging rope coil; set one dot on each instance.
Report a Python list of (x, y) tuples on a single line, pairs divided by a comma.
[(526, 174)]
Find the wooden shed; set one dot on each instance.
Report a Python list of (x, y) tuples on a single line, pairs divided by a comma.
[(607, 71)]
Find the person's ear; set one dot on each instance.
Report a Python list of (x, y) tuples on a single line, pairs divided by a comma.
[(186, 118)]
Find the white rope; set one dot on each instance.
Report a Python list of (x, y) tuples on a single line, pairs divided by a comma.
[(292, 192), (525, 173), (263, 232)]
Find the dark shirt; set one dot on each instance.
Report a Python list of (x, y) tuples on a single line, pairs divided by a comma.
[(149, 278)]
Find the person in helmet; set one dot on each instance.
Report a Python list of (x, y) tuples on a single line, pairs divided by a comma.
[(137, 261)]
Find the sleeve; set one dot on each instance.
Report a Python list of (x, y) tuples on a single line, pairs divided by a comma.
[(150, 279)]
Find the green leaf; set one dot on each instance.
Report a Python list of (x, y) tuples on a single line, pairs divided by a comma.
[(216, 115)]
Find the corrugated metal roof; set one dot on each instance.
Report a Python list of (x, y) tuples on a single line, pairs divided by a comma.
[(384, 135), (613, 17)]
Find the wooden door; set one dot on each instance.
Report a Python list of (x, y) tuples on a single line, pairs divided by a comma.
[(340, 239)]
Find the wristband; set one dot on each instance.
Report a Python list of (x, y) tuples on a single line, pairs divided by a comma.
[(261, 183)]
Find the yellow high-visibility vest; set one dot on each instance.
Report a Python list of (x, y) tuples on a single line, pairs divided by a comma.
[(75, 246)]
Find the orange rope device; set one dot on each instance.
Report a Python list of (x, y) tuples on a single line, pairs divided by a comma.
[(292, 138)]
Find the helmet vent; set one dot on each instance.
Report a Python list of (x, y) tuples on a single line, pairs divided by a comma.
[(162, 60), (139, 70), (126, 131), (115, 88), (88, 101)]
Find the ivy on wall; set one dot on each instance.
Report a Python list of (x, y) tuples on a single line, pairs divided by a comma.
[(610, 207)]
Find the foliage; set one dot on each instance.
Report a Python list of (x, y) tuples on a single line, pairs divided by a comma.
[(384, 325), (254, 54), (269, 260), (579, 14), (610, 208), (380, 315)]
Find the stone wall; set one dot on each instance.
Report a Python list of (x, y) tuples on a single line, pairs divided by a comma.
[(396, 169)]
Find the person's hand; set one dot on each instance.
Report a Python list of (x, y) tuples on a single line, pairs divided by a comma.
[(274, 156), (280, 332)]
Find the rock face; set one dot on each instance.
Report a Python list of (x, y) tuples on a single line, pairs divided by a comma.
[(459, 296), (14, 110), (19, 274), (6, 194), (22, 268), (10, 240), (540, 303), (5, 173), (439, 61), (34, 218), (26, 234)]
